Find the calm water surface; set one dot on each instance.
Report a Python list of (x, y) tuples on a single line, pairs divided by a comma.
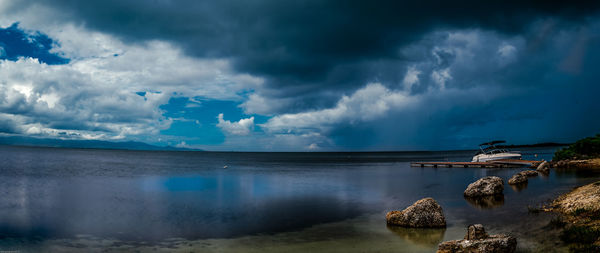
[(107, 200)]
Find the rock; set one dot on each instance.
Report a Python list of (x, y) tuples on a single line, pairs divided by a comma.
[(586, 197), (593, 164), (425, 213), (484, 187), (529, 173), (544, 171), (521, 177), (560, 164), (492, 244), (543, 167), (477, 240), (476, 232), (518, 179)]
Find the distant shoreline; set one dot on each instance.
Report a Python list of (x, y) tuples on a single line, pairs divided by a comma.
[(543, 144), (140, 146), (23, 141)]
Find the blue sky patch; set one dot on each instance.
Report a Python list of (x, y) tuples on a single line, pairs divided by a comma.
[(196, 119), (15, 43)]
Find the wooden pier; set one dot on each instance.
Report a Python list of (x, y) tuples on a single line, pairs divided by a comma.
[(490, 164)]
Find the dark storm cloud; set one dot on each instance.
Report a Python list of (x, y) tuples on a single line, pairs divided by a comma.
[(353, 75), (307, 50), (498, 86)]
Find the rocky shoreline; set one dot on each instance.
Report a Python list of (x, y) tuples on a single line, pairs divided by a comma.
[(477, 240), (578, 212), (577, 164), (579, 217), (427, 213)]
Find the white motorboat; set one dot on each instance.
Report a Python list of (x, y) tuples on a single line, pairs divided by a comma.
[(489, 152)]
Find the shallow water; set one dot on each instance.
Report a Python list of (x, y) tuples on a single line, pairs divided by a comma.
[(107, 200)]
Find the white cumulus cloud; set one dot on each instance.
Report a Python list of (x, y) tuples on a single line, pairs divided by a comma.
[(94, 96), (371, 102), (242, 127)]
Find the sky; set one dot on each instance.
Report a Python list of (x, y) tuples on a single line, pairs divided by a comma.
[(313, 75)]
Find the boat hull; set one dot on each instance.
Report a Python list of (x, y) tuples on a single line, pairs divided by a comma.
[(493, 157)]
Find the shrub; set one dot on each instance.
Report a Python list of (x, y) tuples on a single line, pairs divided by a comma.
[(580, 234), (584, 148)]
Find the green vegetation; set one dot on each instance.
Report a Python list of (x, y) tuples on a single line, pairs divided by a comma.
[(582, 149), (581, 238), (580, 234)]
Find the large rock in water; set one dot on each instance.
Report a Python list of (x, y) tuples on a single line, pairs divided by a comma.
[(518, 178), (521, 177), (544, 167), (425, 213), (484, 187), (477, 241)]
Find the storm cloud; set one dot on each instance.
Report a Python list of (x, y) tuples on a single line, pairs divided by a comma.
[(306, 49), (407, 74)]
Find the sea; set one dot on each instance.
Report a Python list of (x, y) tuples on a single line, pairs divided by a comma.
[(95, 200)]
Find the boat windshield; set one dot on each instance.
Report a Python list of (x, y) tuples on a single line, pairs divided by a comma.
[(497, 151), (492, 150)]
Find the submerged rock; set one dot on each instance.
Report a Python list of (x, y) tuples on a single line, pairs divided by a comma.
[(529, 173), (477, 241), (521, 177), (518, 178), (425, 213), (484, 187)]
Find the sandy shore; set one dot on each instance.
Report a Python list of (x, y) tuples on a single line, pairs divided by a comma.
[(579, 217)]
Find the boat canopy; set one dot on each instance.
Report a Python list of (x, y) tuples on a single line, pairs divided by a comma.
[(491, 143)]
